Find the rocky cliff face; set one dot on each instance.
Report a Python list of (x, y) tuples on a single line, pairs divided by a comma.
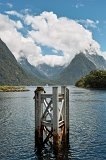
[(49, 71), (10, 71), (79, 66), (98, 60), (32, 70)]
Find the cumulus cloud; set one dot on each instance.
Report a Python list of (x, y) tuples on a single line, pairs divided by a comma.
[(14, 13), (54, 51), (61, 34), (88, 23), (26, 11), (19, 45), (18, 24)]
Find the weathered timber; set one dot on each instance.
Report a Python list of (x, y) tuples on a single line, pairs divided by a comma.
[(56, 140), (52, 117), (67, 115)]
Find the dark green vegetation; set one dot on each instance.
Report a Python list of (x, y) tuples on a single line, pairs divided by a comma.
[(12, 89), (96, 79)]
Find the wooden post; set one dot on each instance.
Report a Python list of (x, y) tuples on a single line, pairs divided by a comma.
[(63, 91), (38, 114), (67, 114), (52, 118), (55, 118)]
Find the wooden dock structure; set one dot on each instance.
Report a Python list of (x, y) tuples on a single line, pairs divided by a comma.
[(52, 117)]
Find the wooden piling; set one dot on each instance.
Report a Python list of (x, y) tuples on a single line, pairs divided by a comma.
[(63, 91), (38, 114), (67, 115), (52, 117), (55, 117)]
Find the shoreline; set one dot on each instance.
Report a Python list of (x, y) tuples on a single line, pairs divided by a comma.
[(13, 89)]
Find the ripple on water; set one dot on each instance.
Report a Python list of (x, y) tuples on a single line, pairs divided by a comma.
[(87, 138)]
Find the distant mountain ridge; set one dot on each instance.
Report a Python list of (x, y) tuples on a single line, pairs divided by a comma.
[(81, 65), (10, 71), (78, 67), (49, 71), (98, 61), (32, 70), (22, 72)]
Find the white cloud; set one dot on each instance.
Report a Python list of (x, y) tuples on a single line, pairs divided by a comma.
[(26, 11), (89, 23), (18, 24), (18, 44), (54, 51), (14, 13), (60, 34)]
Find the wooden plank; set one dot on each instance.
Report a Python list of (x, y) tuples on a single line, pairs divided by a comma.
[(49, 109), (46, 112), (55, 109), (44, 96), (47, 123), (48, 136), (55, 117), (61, 123), (60, 110), (63, 91)]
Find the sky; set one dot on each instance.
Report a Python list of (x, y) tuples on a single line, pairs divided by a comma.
[(53, 31)]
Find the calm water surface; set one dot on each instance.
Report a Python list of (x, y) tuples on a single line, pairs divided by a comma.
[(87, 126)]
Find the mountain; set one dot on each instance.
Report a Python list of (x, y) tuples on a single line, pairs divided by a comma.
[(79, 66), (98, 60), (49, 71), (10, 71), (13, 73), (35, 71), (32, 70)]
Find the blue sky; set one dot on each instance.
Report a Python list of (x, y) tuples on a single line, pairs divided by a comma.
[(24, 19)]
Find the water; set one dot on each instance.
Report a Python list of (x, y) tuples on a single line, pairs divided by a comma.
[(87, 126)]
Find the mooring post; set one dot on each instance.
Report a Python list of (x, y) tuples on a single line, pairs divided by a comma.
[(63, 91), (52, 117), (38, 114), (55, 118), (67, 114)]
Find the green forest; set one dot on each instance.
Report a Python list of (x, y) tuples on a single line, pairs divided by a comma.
[(95, 79)]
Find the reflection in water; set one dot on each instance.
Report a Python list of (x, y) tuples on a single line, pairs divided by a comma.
[(49, 153), (87, 137)]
